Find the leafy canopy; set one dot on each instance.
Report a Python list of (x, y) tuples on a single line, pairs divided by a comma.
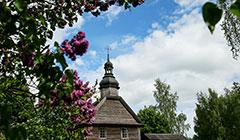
[(162, 118), (154, 121), (229, 11), (218, 117), (26, 61)]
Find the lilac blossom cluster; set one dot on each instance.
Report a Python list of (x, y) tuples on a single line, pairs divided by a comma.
[(79, 97), (77, 46), (86, 107)]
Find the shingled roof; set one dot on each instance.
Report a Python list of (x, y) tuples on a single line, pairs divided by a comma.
[(152, 136), (113, 110)]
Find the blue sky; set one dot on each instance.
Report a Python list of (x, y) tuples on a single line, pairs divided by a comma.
[(164, 39), (104, 30)]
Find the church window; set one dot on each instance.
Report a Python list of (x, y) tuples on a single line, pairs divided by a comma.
[(102, 133), (124, 133)]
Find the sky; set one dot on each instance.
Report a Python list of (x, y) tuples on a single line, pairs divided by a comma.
[(165, 39)]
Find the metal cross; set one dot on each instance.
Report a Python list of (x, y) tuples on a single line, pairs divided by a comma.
[(108, 52)]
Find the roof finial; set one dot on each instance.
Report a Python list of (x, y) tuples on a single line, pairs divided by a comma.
[(108, 52)]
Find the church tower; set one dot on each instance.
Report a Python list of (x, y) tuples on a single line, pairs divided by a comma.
[(109, 86), (114, 120)]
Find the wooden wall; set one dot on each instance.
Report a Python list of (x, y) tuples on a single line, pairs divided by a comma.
[(114, 133)]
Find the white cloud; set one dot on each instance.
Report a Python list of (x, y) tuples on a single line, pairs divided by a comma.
[(125, 41), (155, 25), (128, 39), (114, 45), (92, 53), (79, 62), (190, 3), (190, 59), (60, 35), (112, 13)]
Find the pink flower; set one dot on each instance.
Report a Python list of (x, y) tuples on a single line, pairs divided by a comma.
[(68, 50), (87, 132), (76, 94), (67, 99), (75, 75), (89, 101), (86, 90), (81, 47), (80, 102), (90, 121), (86, 84), (63, 79), (78, 84), (76, 43), (76, 118), (54, 101), (40, 103), (80, 35), (77, 46)]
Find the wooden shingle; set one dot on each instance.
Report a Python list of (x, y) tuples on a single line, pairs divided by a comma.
[(152, 136), (114, 110)]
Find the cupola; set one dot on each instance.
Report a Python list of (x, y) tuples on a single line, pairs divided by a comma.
[(109, 85)]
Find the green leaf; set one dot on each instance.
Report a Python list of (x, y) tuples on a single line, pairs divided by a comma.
[(56, 44), (30, 37), (235, 8), (49, 34), (211, 15), (42, 19), (39, 59), (69, 74), (222, 1), (17, 133), (20, 5), (60, 58)]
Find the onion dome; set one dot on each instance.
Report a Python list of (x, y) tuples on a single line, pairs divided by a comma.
[(108, 80)]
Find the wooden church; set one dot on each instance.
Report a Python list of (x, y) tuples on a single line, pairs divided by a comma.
[(115, 120)]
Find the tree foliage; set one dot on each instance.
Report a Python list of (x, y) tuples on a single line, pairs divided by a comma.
[(229, 10), (22, 118), (164, 112), (63, 100), (167, 105), (218, 117), (154, 121)]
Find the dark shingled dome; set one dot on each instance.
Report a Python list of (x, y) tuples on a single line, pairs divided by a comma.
[(108, 79), (108, 64)]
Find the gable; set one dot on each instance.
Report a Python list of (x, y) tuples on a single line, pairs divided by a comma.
[(114, 110)]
